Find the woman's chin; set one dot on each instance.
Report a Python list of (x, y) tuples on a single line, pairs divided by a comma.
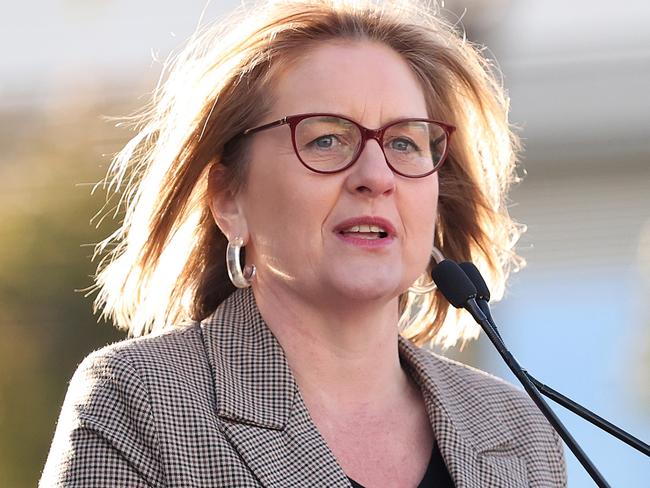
[(336, 287), (367, 289)]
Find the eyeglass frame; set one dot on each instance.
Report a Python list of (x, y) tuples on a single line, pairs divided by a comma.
[(377, 134)]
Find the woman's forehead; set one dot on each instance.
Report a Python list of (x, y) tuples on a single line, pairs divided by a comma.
[(364, 80)]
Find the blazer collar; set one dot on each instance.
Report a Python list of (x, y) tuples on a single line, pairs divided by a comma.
[(262, 412), (259, 401), (253, 381), (453, 404)]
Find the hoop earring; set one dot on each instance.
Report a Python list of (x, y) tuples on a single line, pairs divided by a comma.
[(430, 286), (240, 278)]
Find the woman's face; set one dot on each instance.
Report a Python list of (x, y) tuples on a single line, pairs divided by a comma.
[(293, 216)]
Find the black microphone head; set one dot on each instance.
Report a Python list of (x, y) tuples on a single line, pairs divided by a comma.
[(454, 284), (472, 272)]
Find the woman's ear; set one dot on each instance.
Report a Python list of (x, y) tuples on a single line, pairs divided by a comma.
[(226, 208)]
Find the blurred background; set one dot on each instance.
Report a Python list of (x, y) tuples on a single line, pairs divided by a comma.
[(578, 317)]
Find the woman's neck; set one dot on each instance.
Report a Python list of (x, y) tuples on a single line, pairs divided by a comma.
[(344, 358)]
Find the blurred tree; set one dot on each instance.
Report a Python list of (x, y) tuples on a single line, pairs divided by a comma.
[(46, 327)]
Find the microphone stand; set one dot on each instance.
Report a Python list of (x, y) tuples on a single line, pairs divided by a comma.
[(482, 299), (522, 375)]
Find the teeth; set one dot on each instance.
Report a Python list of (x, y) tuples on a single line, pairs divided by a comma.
[(365, 228)]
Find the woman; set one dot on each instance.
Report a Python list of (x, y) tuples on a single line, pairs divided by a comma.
[(312, 136)]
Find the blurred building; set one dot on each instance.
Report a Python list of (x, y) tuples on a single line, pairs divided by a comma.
[(578, 75)]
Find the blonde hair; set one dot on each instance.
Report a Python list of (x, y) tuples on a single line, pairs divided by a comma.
[(166, 262)]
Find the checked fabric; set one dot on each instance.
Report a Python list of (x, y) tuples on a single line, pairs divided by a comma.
[(214, 404)]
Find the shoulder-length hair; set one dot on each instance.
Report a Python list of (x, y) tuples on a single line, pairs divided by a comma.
[(165, 264)]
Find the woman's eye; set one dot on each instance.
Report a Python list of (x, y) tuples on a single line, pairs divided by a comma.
[(325, 142), (402, 145)]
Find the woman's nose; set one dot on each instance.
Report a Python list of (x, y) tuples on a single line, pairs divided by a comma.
[(370, 174)]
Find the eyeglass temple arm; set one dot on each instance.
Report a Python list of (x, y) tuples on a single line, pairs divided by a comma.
[(270, 125)]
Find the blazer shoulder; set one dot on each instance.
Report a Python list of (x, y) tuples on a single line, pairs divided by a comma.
[(478, 376), (165, 345), (110, 419), (471, 388), (171, 364), (492, 388), (510, 404)]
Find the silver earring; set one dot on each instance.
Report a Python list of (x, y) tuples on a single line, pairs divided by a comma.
[(240, 278), (430, 286)]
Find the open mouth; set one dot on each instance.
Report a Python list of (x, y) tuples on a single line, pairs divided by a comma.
[(369, 232)]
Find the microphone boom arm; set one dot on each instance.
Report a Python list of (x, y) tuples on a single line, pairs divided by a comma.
[(482, 299), (464, 287), (522, 375), (588, 415)]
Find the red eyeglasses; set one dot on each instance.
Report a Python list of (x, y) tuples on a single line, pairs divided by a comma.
[(329, 143)]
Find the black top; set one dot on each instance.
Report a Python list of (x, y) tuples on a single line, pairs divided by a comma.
[(436, 476)]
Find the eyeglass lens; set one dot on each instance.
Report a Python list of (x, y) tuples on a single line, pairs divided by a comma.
[(328, 144)]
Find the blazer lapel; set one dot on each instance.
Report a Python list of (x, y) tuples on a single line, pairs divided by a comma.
[(266, 420), (474, 443), (258, 401)]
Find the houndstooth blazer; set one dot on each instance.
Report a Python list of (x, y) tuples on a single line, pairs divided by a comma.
[(214, 404)]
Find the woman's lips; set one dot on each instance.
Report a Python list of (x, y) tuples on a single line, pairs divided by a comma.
[(364, 242), (367, 232), (367, 221)]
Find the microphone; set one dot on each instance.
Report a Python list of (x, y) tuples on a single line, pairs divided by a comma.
[(459, 290), (455, 286), (482, 291), (483, 297), (474, 275)]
